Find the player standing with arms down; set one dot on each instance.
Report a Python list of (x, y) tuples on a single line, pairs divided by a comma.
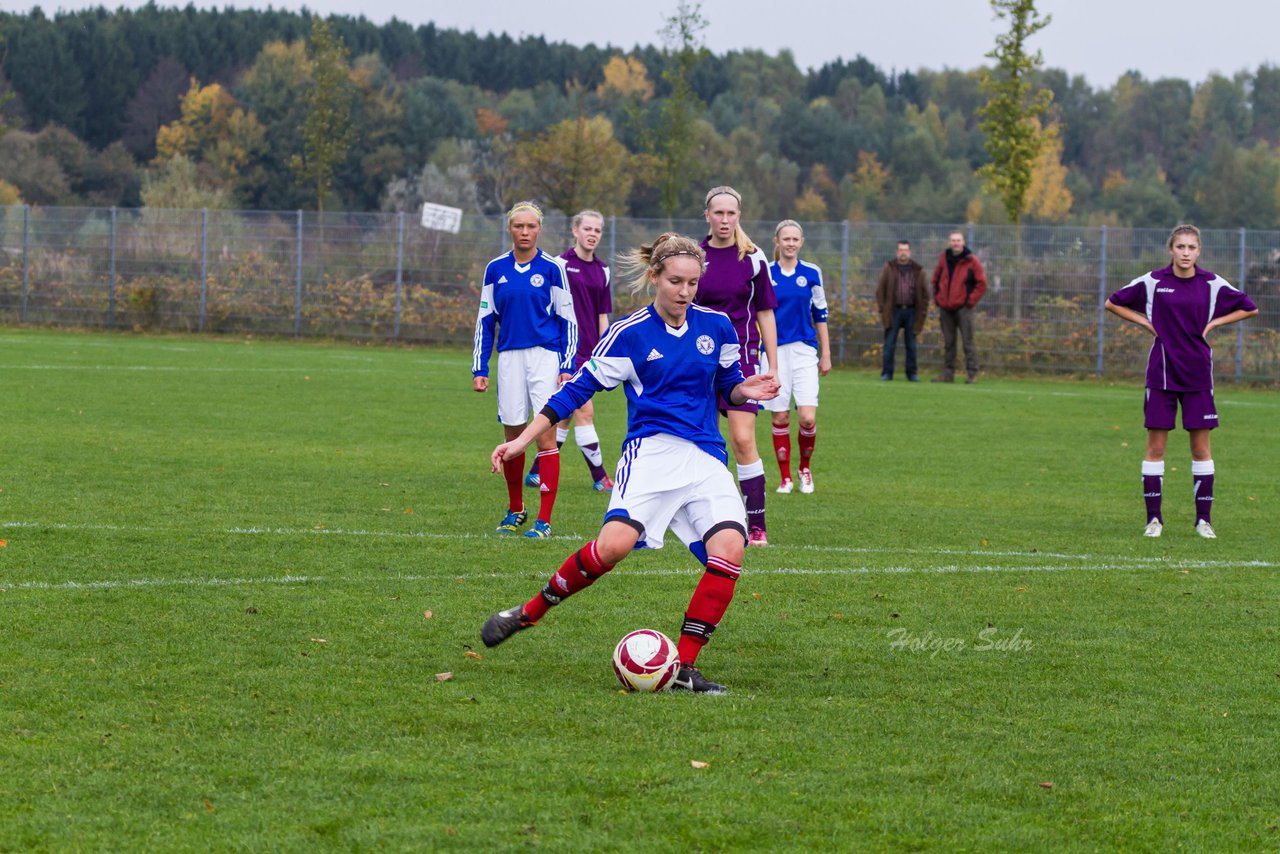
[(1180, 305), (672, 358), (592, 301), (526, 297), (804, 350), (737, 283)]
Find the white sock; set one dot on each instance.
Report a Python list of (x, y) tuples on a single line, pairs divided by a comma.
[(746, 471), (1201, 467), (1156, 469), (562, 433), (585, 434)]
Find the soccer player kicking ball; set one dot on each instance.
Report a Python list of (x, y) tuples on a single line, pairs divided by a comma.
[(1180, 305), (672, 358)]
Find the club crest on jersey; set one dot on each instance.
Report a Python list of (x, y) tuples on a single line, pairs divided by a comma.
[(536, 280), (705, 345), (801, 281)]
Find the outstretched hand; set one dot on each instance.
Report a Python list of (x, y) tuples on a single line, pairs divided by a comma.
[(760, 387), (505, 452)]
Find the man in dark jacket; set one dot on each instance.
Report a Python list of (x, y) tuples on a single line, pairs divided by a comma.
[(958, 283), (903, 296)]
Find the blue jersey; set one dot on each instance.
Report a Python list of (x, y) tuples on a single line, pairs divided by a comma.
[(671, 376), (531, 306), (801, 303)]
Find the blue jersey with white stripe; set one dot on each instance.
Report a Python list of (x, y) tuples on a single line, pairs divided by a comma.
[(530, 305), (671, 376), (801, 303)]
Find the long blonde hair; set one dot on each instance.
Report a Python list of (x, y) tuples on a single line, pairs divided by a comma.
[(639, 264), (740, 239)]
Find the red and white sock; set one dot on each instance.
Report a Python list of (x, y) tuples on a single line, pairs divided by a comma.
[(710, 600), (807, 438), (549, 469), (782, 450), (578, 572), (513, 472)]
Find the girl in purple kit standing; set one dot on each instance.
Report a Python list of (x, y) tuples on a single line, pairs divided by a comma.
[(737, 283), (1180, 305)]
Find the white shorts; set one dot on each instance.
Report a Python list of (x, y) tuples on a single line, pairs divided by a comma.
[(663, 482), (526, 380), (798, 376)]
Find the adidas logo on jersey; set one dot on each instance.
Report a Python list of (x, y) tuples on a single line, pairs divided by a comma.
[(502, 280), (653, 354)]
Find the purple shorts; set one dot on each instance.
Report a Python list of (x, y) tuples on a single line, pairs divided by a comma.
[(750, 367), (1161, 409)]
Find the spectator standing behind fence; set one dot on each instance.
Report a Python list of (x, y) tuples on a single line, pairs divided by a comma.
[(592, 301), (1180, 305), (958, 283), (737, 283), (804, 351), (903, 296), (526, 298)]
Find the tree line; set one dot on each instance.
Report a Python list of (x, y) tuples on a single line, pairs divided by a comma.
[(278, 110)]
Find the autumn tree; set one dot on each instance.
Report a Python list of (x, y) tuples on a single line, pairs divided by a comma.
[(1048, 199), (683, 37), (326, 130), (223, 139), (1011, 114), (578, 163)]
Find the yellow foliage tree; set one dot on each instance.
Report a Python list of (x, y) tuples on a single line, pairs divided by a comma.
[(811, 206), (214, 132), (578, 163), (626, 76), (1048, 198)]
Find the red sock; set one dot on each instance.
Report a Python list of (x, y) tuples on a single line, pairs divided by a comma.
[(578, 572), (807, 438), (549, 469), (782, 450), (513, 471), (709, 602)]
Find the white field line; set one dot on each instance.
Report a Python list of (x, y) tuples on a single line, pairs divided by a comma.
[(1110, 562), (158, 582)]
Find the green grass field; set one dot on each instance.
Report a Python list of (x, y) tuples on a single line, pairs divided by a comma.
[(219, 554)]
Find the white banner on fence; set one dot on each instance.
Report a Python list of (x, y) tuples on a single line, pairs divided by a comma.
[(441, 217)]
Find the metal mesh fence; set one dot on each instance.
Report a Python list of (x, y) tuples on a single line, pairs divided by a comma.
[(382, 276)]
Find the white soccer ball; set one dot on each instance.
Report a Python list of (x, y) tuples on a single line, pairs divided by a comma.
[(646, 660)]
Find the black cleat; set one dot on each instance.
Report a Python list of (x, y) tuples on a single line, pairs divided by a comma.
[(503, 625), (690, 678)]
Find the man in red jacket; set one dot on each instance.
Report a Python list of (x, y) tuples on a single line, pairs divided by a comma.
[(958, 283)]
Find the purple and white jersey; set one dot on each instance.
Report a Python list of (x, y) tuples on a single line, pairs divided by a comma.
[(1179, 310), (530, 306), (801, 303), (592, 297), (740, 289)]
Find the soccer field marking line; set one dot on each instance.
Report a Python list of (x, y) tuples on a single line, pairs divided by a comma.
[(159, 582), (1135, 561), (318, 370), (948, 569)]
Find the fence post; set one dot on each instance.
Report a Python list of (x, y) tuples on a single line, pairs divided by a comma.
[(111, 285), (26, 258), (297, 283), (1239, 327), (399, 269), (204, 265), (1102, 293), (844, 286)]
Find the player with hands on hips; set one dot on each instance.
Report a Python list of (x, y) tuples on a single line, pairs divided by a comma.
[(673, 358), (526, 304), (1180, 305)]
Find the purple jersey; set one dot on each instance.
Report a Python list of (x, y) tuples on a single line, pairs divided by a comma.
[(740, 289), (1179, 310), (589, 285)]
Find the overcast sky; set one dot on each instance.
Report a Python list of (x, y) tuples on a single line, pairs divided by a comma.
[(1100, 39)]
